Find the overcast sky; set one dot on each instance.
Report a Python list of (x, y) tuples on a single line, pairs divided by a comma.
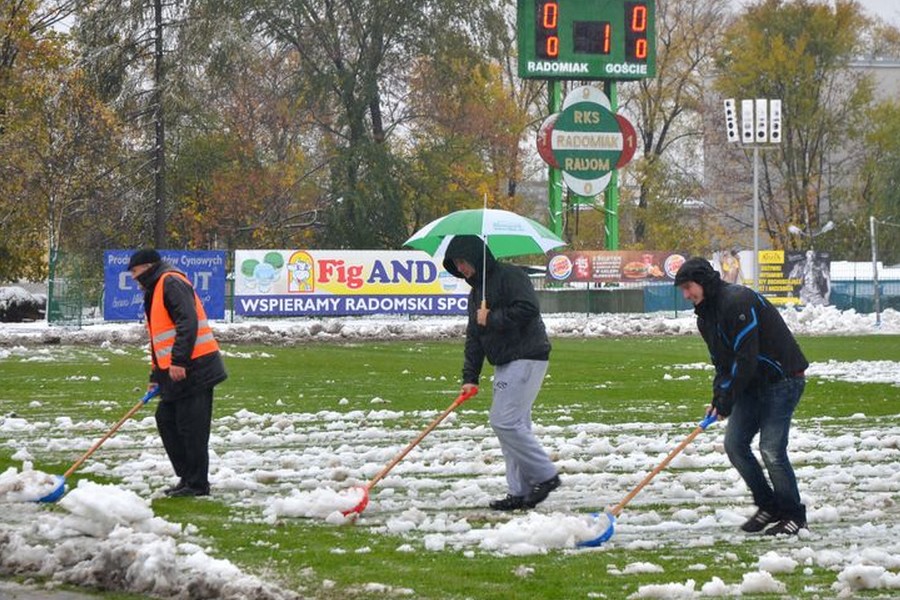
[(889, 10)]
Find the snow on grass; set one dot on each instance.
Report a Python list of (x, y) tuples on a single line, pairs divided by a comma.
[(288, 466)]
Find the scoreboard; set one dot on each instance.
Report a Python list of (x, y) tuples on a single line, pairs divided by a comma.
[(586, 39)]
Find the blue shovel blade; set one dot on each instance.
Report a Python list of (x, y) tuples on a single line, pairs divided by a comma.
[(57, 492), (603, 537)]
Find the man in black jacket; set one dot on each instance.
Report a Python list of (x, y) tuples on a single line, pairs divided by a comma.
[(505, 326), (758, 383), (186, 365)]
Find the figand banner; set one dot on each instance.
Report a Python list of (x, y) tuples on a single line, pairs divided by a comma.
[(614, 266), (344, 282), (123, 299)]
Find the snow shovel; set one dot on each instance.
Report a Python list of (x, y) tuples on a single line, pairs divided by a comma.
[(361, 506), (614, 512), (60, 488)]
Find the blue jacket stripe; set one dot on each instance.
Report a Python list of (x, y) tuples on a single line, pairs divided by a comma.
[(727, 384), (745, 330), (772, 362)]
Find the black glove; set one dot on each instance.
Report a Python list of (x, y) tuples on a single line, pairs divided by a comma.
[(722, 403)]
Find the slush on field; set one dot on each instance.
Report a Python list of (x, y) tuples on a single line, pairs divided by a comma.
[(313, 411)]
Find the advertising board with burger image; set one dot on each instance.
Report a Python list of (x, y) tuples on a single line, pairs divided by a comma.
[(597, 266)]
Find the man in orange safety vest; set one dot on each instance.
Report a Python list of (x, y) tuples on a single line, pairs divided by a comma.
[(185, 364)]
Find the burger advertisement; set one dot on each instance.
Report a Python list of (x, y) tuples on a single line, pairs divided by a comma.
[(614, 266)]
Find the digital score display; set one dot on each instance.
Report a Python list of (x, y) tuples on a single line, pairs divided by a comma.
[(587, 39)]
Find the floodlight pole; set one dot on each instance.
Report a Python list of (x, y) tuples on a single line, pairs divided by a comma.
[(877, 295), (760, 126), (756, 218)]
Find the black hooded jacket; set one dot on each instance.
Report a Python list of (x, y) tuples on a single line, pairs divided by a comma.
[(178, 296), (749, 342), (514, 328)]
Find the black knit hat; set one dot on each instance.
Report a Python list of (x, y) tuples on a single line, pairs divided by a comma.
[(697, 270), (144, 256)]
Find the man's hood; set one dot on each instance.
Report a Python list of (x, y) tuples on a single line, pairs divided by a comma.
[(700, 271), (470, 248)]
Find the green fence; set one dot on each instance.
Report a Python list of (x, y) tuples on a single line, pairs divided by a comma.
[(67, 290), (860, 295)]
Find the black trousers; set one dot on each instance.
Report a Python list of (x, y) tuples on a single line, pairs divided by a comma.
[(183, 424)]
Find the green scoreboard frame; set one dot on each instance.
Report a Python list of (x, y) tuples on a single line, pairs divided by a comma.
[(586, 39)]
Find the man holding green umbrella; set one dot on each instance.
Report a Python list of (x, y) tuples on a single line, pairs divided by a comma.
[(505, 326)]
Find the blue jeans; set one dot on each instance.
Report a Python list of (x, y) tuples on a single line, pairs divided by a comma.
[(767, 409)]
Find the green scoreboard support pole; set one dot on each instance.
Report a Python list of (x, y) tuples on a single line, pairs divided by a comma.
[(554, 177), (586, 40), (612, 190)]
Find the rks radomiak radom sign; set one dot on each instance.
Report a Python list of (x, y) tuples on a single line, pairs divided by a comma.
[(586, 140)]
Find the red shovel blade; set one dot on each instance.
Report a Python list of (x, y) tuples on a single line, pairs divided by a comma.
[(361, 506)]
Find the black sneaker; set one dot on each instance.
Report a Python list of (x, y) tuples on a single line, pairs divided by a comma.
[(170, 490), (188, 491), (786, 527), (759, 521), (540, 492), (509, 503)]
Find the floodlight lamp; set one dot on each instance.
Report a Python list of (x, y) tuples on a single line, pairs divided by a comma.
[(795, 230)]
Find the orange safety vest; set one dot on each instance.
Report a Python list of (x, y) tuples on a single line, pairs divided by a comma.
[(162, 328)]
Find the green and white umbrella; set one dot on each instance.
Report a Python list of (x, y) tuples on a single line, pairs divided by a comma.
[(504, 232)]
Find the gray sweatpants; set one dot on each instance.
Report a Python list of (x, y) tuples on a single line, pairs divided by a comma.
[(516, 386)]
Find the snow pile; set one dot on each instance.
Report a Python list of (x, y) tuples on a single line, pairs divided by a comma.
[(17, 304), (536, 533), (27, 486), (860, 371), (321, 503), (760, 582), (864, 577), (773, 562), (109, 538), (810, 320)]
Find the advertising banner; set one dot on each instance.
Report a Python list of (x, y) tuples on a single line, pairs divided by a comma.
[(618, 266), (735, 266), (123, 299), (344, 282), (795, 277)]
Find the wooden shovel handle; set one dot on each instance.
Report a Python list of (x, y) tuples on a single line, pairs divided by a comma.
[(109, 433), (459, 400), (621, 505)]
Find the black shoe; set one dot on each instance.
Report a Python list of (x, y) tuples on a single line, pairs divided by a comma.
[(540, 492), (786, 527), (172, 489), (509, 503), (188, 491), (759, 521)]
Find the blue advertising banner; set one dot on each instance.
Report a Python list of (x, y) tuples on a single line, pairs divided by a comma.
[(123, 299), (344, 282)]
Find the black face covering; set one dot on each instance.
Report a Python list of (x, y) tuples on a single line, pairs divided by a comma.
[(470, 248), (149, 277)]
